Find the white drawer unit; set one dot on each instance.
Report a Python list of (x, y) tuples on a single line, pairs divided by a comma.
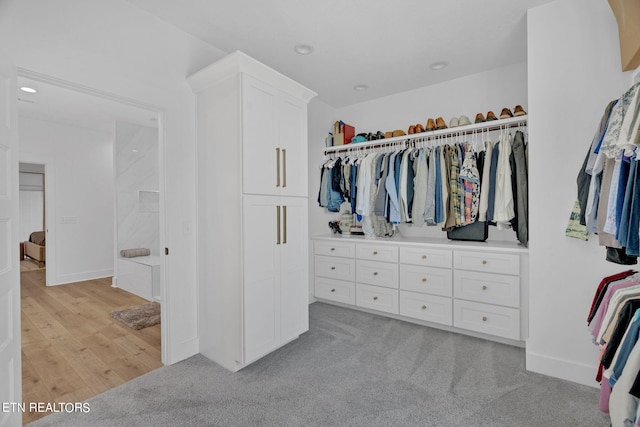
[(377, 298), (337, 249), (487, 262), (486, 318), (425, 256), (335, 290), (335, 268), (489, 288), (428, 280), (471, 288), (377, 273), (429, 308), (385, 253)]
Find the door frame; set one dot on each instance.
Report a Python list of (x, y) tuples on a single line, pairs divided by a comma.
[(160, 114)]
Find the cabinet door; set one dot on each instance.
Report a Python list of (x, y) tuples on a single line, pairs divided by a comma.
[(294, 260), (260, 159), (261, 294), (292, 141)]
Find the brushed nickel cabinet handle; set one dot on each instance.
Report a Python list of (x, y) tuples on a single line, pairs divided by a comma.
[(333, 268), (375, 273), (333, 249), (484, 318), (375, 298), (278, 167), (375, 252), (424, 307), (484, 287), (333, 290), (284, 219), (484, 262), (424, 257), (278, 224), (424, 280), (284, 167)]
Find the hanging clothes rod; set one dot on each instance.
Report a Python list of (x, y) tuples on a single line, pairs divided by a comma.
[(423, 136)]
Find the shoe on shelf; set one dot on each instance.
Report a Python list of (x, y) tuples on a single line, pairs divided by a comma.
[(519, 111), (412, 130), (431, 125), (464, 121), (419, 128), (440, 124), (480, 118), (388, 134), (398, 132), (454, 123), (380, 135), (491, 116), (505, 113)]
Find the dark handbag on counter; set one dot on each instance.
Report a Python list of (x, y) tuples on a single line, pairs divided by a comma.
[(474, 232)]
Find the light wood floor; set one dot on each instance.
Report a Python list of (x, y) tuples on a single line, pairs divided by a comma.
[(71, 348)]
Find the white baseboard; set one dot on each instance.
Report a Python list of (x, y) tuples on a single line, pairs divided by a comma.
[(561, 368), (182, 350), (80, 277)]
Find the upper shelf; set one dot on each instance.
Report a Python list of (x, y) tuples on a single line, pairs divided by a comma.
[(460, 130)]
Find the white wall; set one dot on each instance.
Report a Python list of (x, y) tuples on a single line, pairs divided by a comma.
[(574, 71), (80, 164), (116, 47), (491, 90), (137, 169), (31, 213)]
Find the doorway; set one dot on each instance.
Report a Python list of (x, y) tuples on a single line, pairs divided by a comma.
[(32, 216), (101, 353)]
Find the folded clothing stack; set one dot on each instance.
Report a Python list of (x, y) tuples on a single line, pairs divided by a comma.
[(131, 253)]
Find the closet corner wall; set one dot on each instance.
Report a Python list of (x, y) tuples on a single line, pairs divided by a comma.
[(252, 243)]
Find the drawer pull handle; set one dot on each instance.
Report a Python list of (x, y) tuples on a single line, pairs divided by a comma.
[(484, 262), (484, 318), (424, 307), (333, 290), (375, 273), (333, 249), (424, 280), (424, 257), (333, 268), (375, 298), (375, 252), (484, 287)]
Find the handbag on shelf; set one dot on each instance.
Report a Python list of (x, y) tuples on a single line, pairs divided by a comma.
[(475, 232)]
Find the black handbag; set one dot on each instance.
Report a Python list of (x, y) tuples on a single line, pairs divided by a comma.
[(476, 232), (619, 256)]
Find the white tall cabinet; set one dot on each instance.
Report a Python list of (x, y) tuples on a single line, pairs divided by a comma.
[(252, 209)]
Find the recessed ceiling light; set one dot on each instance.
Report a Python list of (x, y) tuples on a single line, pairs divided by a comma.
[(134, 151), (303, 49), (438, 65), (360, 88), (28, 89)]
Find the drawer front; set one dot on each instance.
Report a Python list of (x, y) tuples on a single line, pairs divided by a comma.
[(383, 253), (426, 257), (487, 262), (487, 287), (377, 273), (335, 268), (377, 298), (489, 319), (335, 290), (339, 249), (428, 280), (429, 308)]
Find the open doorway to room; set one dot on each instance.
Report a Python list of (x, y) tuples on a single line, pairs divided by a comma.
[(32, 217), (102, 175)]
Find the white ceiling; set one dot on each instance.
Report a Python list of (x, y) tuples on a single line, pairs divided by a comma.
[(387, 45)]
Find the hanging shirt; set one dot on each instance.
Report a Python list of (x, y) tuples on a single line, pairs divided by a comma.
[(484, 188), (504, 207), (439, 206), (470, 183), (612, 135), (610, 225), (390, 185), (420, 188), (432, 182)]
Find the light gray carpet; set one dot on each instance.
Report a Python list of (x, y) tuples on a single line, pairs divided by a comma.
[(353, 369)]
